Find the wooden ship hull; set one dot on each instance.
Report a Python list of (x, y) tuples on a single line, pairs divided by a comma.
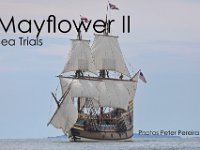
[(106, 127), (101, 135)]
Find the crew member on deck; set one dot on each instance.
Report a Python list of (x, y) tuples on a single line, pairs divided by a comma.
[(121, 76), (79, 73), (107, 73)]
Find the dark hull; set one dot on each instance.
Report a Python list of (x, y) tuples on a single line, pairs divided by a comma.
[(100, 135)]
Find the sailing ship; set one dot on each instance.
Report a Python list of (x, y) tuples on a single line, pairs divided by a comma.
[(97, 91)]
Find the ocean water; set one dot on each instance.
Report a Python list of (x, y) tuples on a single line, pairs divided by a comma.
[(136, 144)]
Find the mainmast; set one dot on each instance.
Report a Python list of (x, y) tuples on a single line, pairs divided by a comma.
[(107, 55), (79, 73), (103, 72)]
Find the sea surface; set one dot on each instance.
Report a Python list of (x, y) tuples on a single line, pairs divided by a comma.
[(136, 144)]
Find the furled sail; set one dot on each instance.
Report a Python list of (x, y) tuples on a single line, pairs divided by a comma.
[(65, 116), (105, 92), (80, 57), (107, 54)]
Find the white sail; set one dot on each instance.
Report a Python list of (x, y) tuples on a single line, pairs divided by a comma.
[(117, 93), (80, 57), (79, 87), (107, 54), (66, 115), (107, 93), (113, 94)]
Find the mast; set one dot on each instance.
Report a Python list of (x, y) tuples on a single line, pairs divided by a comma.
[(79, 73), (107, 52)]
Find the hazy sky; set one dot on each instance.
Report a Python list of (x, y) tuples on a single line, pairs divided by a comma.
[(164, 42)]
